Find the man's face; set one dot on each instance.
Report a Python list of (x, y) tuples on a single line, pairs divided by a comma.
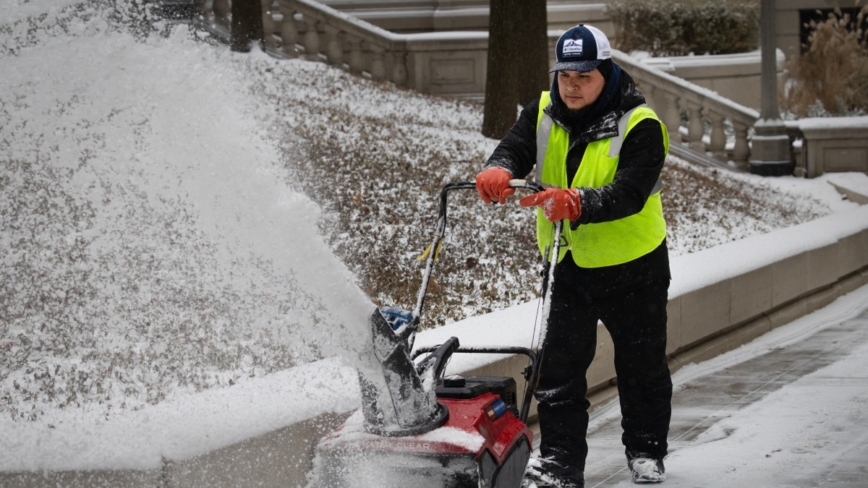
[(578, 90)]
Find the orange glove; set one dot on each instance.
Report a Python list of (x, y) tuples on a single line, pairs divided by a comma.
[(556, 203), (493, 184)]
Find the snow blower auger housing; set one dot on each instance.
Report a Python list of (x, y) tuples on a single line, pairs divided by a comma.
[(420, 429)]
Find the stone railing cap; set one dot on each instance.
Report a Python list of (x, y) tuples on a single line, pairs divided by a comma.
[(833, 123)]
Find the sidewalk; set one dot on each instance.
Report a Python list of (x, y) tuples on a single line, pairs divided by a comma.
[(790, 409)]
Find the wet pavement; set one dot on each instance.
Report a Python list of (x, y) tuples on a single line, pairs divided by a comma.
[(702, 402)]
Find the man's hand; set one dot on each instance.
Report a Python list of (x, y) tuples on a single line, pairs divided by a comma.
[(493, 184), (556, 203)]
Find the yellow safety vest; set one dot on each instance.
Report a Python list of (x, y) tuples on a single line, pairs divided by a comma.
[(606, 243)]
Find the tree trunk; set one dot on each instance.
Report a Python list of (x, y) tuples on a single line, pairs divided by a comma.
[(517, 61), (246, 25), (533, 55), (501, 80)]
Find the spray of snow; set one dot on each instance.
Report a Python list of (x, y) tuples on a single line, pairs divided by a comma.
[(152, 242), (368, 460), (354, 430)]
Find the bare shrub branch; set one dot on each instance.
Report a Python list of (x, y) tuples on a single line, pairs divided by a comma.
[(832, 73)]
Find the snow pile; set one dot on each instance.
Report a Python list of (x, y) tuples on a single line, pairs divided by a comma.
[(854, 185)]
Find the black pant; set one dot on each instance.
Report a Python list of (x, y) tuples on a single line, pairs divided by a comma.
[(635, 316)]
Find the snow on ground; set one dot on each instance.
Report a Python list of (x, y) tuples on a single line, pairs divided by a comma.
[(184, 426), (797, 435), (818, 414), (854, 183), (160, 275)]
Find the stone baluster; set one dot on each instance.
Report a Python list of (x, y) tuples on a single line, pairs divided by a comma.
[(334, 47), (289, 30), (647, 92), (695, 127), (357, 57), (660, 101), (268, 25), (670, 114), (717, 145), (741, 151), (311, 38), (221, 12), (378, 61), (399, 68)]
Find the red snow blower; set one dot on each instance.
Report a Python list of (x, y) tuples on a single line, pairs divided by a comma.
[(419, 428)]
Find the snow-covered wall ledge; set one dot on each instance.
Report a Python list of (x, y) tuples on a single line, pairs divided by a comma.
[(720, 298), (734, 76)]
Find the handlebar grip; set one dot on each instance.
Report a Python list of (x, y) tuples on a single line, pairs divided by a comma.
[(530, 185)]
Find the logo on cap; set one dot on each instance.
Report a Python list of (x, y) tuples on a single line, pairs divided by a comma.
[(573, 46)]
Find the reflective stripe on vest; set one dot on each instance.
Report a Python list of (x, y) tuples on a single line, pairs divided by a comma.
[(542, 142), (605, 243)]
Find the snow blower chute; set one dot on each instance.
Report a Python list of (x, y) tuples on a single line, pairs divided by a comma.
[(419, 429)]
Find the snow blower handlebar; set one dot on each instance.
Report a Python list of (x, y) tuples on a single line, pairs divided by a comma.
[(434, 249), (531, 373)]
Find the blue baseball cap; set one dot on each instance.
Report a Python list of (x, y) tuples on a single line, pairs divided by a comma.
[(582, 48)]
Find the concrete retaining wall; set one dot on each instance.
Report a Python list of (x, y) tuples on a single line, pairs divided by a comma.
[(835, 145), (280, 458)]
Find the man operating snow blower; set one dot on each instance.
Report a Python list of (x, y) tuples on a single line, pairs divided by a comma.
[(599, 151)]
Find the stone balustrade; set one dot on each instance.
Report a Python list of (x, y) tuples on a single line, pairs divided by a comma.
[(709, 116), (454, 64), (463, 15), (438, 63), (313, 31), (704, 127)]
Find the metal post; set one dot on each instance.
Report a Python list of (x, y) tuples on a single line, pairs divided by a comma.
[(770, 151)]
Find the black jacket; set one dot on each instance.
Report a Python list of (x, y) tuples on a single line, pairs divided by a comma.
[(639, 166), (641, 160)]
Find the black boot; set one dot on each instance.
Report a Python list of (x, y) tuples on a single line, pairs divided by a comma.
[(542, 473), (647, 469)]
